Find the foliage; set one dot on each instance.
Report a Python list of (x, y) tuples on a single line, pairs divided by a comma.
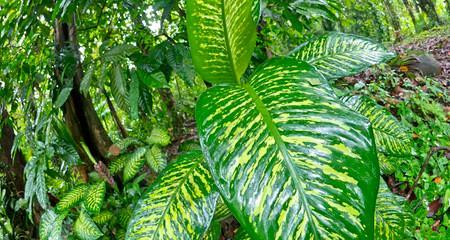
[(193, 119)]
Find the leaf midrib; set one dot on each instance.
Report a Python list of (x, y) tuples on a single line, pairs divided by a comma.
[(227, 43), (268, 120)]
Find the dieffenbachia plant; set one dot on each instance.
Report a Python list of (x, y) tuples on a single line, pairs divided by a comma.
[(288, 158)]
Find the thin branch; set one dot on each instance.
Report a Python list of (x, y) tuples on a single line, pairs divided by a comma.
[(424, 167)]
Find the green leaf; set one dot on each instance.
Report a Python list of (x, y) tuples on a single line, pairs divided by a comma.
[(134, 163), (103, 217), (118, 164), (50, 227), (86, 82), (222, 211), (222, 36), (152, 80), (155, 159), (72, 198), (289, 159), (159, 136), (62, 97), (337, 55), (391, 138), (118, 81), (178, 205), (94, 197), (134, 98), (214, 232), (118, 52), (393, 218), (242, 235), (85, 228)]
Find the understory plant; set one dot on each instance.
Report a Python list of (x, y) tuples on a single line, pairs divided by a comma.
[(280, 152)]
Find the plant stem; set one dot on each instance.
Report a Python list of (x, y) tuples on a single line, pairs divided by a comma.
[(424, 166)]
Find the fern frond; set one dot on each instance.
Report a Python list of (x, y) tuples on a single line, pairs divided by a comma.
[(155, 159), (126, 142)]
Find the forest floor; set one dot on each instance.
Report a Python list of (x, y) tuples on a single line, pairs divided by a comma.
[(422, 104)]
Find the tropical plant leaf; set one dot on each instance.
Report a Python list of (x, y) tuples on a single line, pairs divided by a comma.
[(94, 198), (391, 138), (62, 97), (178, 205), (241, 234), (124, 216), (85, 228), (118, 52), (72, 198), (222, 36), (222, 211), (214, 231), (388, 164), (118, 164), (288, 157), (155, 159), (103, 217), (159, 136), (134, 163), (152, 80), (50, 227), (393, 218), (337, 55), (86, 82), (118, 80), (133, 98)]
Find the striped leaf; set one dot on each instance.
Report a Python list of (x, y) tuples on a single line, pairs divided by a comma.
[(155, 159), (134, 163), (222, 211), (391, 138), (393, 218), (71, 199), (214, 232), (85, 228), (118, 164), (103, 217), (337, 55), (94, 197), (241, 234), (50, 227), (222, 36), (159, 136), (179, 204), (288, 158)]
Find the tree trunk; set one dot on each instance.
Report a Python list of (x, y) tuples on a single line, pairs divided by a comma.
[(411, 13), (15, 181), (393, 17), (79, 113)]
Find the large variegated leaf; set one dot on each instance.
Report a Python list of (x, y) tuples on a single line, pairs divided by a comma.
[(391, 137), (50, 227), (337, 55), (94, 197), (393, 218), (71, 199), (288, 158), (85, 228), (222, 36), (179, 205)]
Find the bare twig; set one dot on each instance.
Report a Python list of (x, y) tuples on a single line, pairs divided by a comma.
[(424, 166)]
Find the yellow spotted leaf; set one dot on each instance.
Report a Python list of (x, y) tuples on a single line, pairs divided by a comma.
[(290, 161), (178, 205)]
